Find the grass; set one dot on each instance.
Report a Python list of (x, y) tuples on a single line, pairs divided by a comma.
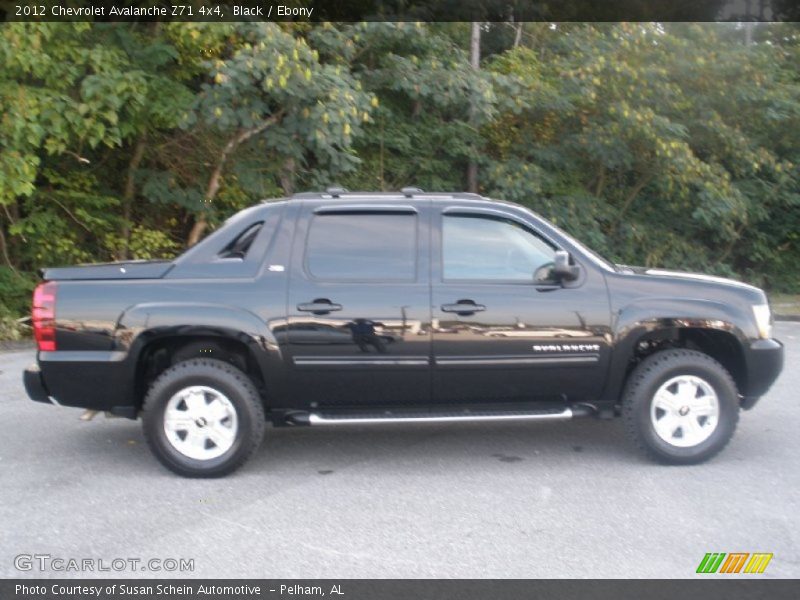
[(785, 304)]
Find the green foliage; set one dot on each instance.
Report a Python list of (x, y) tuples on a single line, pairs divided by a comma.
[(62, 90), (69, 223), (149, 244), (273, 85), (672, 145), (15, 297), (645, 141), (423, 129)]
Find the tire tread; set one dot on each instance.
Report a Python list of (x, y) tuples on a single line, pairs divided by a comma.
[(256, 433), (640, 378)]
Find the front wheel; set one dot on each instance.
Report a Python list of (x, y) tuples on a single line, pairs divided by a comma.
[(680, 406), (203, 418)]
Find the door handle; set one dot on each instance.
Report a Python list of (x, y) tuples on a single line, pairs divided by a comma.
[(548, 287), (319, 306), (463, 308)]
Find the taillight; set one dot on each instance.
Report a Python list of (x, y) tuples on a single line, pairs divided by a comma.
[(44, 316)]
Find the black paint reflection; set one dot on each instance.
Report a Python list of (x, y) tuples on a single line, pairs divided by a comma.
[(364, 336), (367, 335)]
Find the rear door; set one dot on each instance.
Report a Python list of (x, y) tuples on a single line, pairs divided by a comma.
[(359, 304)]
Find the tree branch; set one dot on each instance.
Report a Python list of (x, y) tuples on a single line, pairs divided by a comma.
[(201, 221), (643, 181), (71, 216), (729, 248), (4, 249)]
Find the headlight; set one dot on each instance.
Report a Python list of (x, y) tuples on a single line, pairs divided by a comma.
[(761, 312)]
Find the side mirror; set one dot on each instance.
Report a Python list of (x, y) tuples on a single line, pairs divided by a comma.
[(562, 267)]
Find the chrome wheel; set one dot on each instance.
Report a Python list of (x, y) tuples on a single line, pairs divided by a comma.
[(200, 422), (685, 411)]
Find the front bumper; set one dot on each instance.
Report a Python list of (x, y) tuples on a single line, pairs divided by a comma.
[(764, 359), (34, 384)]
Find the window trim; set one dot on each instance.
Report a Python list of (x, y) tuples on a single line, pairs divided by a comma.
[(362, 210), (494, 215)]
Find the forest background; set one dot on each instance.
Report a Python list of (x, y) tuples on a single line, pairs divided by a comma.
[(673, 145)]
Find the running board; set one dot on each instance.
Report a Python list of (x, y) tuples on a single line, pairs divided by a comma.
[(376, 417)]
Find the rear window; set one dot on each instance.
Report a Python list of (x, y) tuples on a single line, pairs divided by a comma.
[(240, 245), (362, 247)]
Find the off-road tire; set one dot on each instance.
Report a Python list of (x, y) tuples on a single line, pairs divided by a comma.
[(642, 386), (238, 389)]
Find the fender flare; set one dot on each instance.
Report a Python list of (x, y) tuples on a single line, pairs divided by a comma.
[(142, 324), (648, 315)]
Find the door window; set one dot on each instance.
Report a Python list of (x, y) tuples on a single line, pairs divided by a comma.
[(486, 248), (362, 247)]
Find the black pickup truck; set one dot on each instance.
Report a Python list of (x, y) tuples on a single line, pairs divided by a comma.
[(343, 308)]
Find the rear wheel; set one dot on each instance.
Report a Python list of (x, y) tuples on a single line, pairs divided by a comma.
[(680, 406), (203, 418)]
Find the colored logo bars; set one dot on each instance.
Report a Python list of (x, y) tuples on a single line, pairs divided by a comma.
[(716, 562)]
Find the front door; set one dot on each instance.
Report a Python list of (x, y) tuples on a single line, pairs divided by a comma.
[(503, 329), (359, 305)]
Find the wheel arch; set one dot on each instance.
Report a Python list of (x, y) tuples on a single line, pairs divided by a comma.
[(163, 351), (642, 328), (155, 336)]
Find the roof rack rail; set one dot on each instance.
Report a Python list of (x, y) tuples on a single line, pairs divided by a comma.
[(336, 191), (410, 191)]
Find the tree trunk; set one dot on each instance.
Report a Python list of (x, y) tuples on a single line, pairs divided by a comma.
[(601, 182), (748, 24), (475, 46), (198, 229), (11, 243), (201, 219), (517, 34), (381, 157), (475, 63), (128, 194), (4, 249), (287, 176)]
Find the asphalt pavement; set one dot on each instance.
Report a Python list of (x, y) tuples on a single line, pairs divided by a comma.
[(567, 499)]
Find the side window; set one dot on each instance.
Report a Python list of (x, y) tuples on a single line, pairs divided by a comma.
[(362, 247), (241, 243), (477, 247)]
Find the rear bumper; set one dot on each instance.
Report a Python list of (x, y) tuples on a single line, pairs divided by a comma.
[(764, 359), (34, 384), (95, 380)]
